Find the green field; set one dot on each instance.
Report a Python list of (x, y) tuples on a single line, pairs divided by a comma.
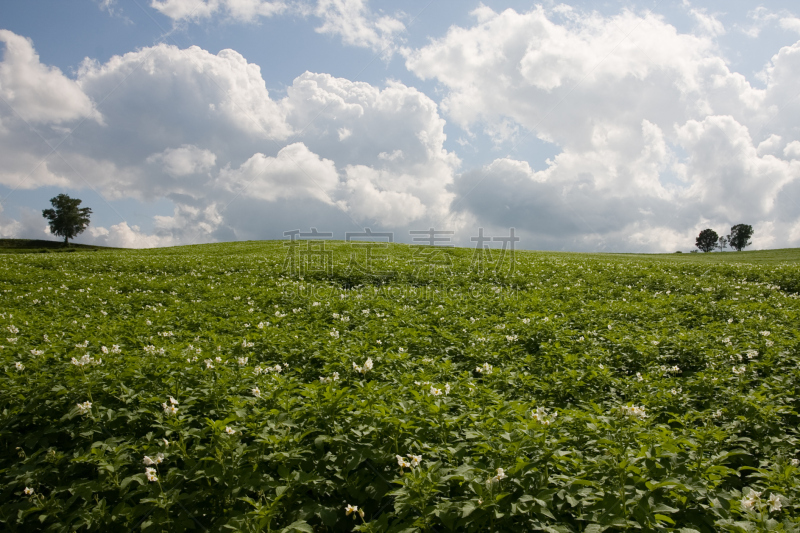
[(258, 387)]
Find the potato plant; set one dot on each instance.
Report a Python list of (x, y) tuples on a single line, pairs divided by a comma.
[(235, 387)]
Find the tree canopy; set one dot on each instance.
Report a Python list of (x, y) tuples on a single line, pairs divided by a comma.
[(66, 218), (740, 236), (707, 240)]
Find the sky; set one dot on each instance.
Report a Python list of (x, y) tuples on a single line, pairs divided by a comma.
[(584, 126)]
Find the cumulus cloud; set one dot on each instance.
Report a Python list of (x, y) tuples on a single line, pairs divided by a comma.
[(184, 160), (295, 172), (9, 228), (202, 131), (656, 133), (36, 92)]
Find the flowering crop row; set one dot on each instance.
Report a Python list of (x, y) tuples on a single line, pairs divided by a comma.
[(202, 388)]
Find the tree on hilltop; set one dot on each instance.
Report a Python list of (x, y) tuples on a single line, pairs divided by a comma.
[(707, 240), (740, 236), (67, 219)]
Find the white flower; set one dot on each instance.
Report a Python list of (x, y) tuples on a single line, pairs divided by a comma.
[(85, 407), (402, 462), (28, 491), (415, 459), (86, 360), (485, 369), (500, 474), (774, 502), (149, 461), (151, 474), (166, 442), (750, 500), (208, 363), (639, 376), (334, 334), (765, 333), (256, 392), (148, 322), (542, 416), (447, 388), (634, 410), (363, 369), (242, 361), (795, 462), (751, 354), (246, 344), (169, 410), (229, 430), (19, 366), (354, 510), (435, 391), (37, 352), (331, 379), (739, 370), (12, 329), (173, 401)]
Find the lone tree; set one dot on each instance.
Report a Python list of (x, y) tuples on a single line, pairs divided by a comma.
[(707, 240), (722, 243), (740, 236), (67, 219)]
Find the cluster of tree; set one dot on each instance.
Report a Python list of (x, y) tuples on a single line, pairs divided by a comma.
[(738, 238), (66, 218)]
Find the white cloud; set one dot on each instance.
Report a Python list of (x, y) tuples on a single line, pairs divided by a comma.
[(124, 236), (222, 87), (202, 131), (36, 92), (295, 172), (791, 24), (792, 150), (708, 24), (369, 202), (241, 10), (655, 130), (185, 160), (9, 228), (760, 17), (353, 21)]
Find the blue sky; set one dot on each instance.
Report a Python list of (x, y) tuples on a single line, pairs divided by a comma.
[(615, 126)]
